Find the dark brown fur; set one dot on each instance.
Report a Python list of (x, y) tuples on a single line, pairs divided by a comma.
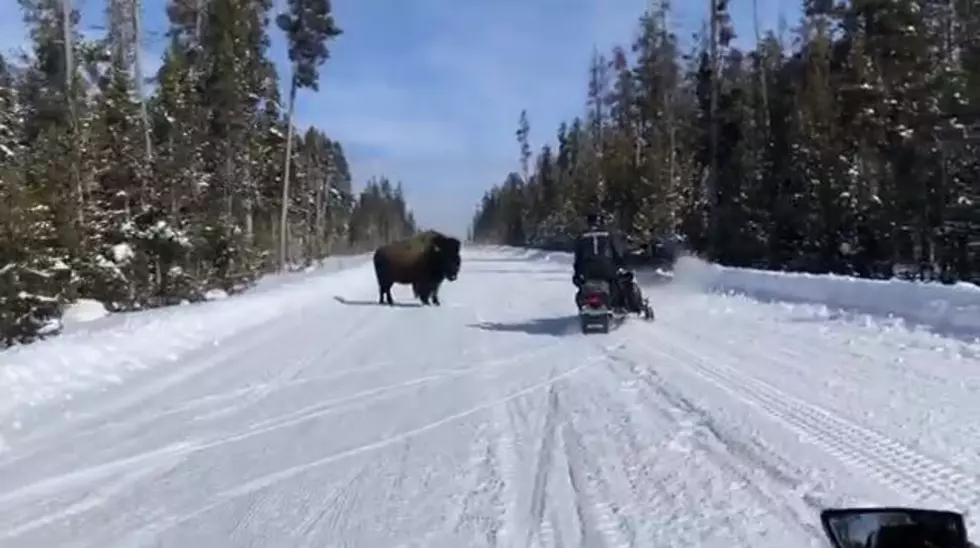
[(423, 262)]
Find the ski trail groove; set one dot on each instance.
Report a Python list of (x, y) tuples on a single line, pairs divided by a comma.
[(268, 480), (95, 474), (796, 504), (505, 448), (964, 424), (221, 352), (350, 337), (591, 500), (542, 468), (108, 488), (470, 509), (506, 452), (895, 465), (357, 399)]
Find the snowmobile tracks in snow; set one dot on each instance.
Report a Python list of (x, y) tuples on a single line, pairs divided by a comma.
[(797, 500), (887, 460), (562, 461), (478, 510), (266, 481), (543, 460), (256, 341)]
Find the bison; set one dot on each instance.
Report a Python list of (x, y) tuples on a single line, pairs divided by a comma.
[(423, 261)]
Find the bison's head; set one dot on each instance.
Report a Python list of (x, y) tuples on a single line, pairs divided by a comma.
[(446, 251)]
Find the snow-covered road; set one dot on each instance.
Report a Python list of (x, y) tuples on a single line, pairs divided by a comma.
[(492, 422)]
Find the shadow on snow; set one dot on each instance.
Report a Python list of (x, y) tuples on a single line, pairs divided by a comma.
[(350, 302), (555, 327)]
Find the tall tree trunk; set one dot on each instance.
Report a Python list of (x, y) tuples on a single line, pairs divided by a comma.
[(284, 213), (318, 220), (69, 83), (248, 204), (138, 75), (668, 100), (713, 131), (763, 72)]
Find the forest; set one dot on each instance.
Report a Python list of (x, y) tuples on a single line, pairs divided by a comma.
[(144, 190), (847, 143)]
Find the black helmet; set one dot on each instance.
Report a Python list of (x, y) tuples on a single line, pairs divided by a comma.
[(593, 218)]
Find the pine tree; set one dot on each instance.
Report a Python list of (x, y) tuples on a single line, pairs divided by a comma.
[(854, 152), (308, 26), (140, 200)]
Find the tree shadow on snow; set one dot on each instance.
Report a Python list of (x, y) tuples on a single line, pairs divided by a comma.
[(555, 327), (350, 302)]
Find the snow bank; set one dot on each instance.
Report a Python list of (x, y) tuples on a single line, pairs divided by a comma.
[(215, 295), (83, 311), (952, 310), (947, 309), (101, 351)]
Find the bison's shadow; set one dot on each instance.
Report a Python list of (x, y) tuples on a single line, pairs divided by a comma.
[(350, 302), (555, 327)]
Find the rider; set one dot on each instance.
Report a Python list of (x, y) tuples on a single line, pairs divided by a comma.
[(598, 256)]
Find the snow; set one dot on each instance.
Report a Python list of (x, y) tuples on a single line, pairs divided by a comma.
[(949, 309), (102, 352), (83, 311), (215, 294), (322, 419), (122, 253)]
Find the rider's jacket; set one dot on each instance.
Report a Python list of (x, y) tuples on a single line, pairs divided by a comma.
[(597, 254)]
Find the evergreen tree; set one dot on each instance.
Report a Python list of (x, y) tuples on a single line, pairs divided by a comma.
[(856, 151), (309, 25), (142, 200)]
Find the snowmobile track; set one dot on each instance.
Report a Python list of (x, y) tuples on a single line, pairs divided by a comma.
[(797, 503), (252, 342), (890, 462), (543, 467), (477, 509), (255, 485), (597, 512)]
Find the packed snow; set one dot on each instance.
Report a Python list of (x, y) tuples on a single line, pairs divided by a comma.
[(303, 414), (92, 353)]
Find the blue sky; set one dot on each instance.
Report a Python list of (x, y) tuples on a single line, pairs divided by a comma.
[(428, 92)]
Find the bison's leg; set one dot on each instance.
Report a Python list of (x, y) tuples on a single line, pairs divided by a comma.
[(384, 292), (435, 293), (421, 291), (382, 273)]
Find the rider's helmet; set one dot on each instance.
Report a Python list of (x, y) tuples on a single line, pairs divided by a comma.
[(593, 218)]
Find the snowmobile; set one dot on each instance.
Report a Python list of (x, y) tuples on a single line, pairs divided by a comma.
[(595, 309), (894, 527)]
